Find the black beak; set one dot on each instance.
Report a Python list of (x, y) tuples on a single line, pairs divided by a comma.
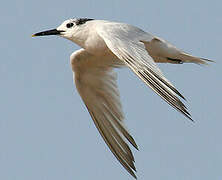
[(47, 33)]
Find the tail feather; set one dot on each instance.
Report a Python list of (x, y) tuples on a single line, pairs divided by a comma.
[(164, 52), (186, 58)]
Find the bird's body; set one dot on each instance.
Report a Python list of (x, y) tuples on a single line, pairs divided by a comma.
[(106, 45)]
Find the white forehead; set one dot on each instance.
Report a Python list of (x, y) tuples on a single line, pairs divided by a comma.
[(68, 21), (63, 25)]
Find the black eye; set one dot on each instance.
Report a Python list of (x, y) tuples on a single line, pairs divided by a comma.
[(69, 25)]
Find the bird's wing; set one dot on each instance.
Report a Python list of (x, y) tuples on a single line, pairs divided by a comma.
[(96, 83), (126, 42)]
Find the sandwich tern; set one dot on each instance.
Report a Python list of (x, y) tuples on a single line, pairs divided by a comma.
[(107, 45)]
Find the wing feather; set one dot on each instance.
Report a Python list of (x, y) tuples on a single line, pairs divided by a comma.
[(125, 41), (98, 88), (106, 136)]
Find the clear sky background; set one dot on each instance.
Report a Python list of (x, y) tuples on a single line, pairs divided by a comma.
[(46, 132)]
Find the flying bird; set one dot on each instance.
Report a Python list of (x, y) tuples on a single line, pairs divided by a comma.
[(106, 45)]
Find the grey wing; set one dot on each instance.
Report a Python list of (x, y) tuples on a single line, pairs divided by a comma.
[(96, 83), (125, 41)]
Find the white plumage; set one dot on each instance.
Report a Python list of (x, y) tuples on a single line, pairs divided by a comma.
[(106, 45)]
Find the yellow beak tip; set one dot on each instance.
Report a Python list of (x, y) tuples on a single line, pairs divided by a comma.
[(33, 35)]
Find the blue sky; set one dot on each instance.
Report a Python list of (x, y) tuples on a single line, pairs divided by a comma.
[(45, 129)]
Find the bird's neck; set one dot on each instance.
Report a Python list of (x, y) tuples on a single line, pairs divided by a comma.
[(80, 37), (89, 39)]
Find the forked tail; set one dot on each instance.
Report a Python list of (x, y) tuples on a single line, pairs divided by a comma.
[(186, 58)]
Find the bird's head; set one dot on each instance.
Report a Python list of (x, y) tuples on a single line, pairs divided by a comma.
[(69, 29)]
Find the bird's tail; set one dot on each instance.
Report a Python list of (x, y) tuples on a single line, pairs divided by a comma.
[(187, 58)]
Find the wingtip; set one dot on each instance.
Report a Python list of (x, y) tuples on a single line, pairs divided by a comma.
[(137, 148), (191, 120), (189, 117), (134, 176)]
